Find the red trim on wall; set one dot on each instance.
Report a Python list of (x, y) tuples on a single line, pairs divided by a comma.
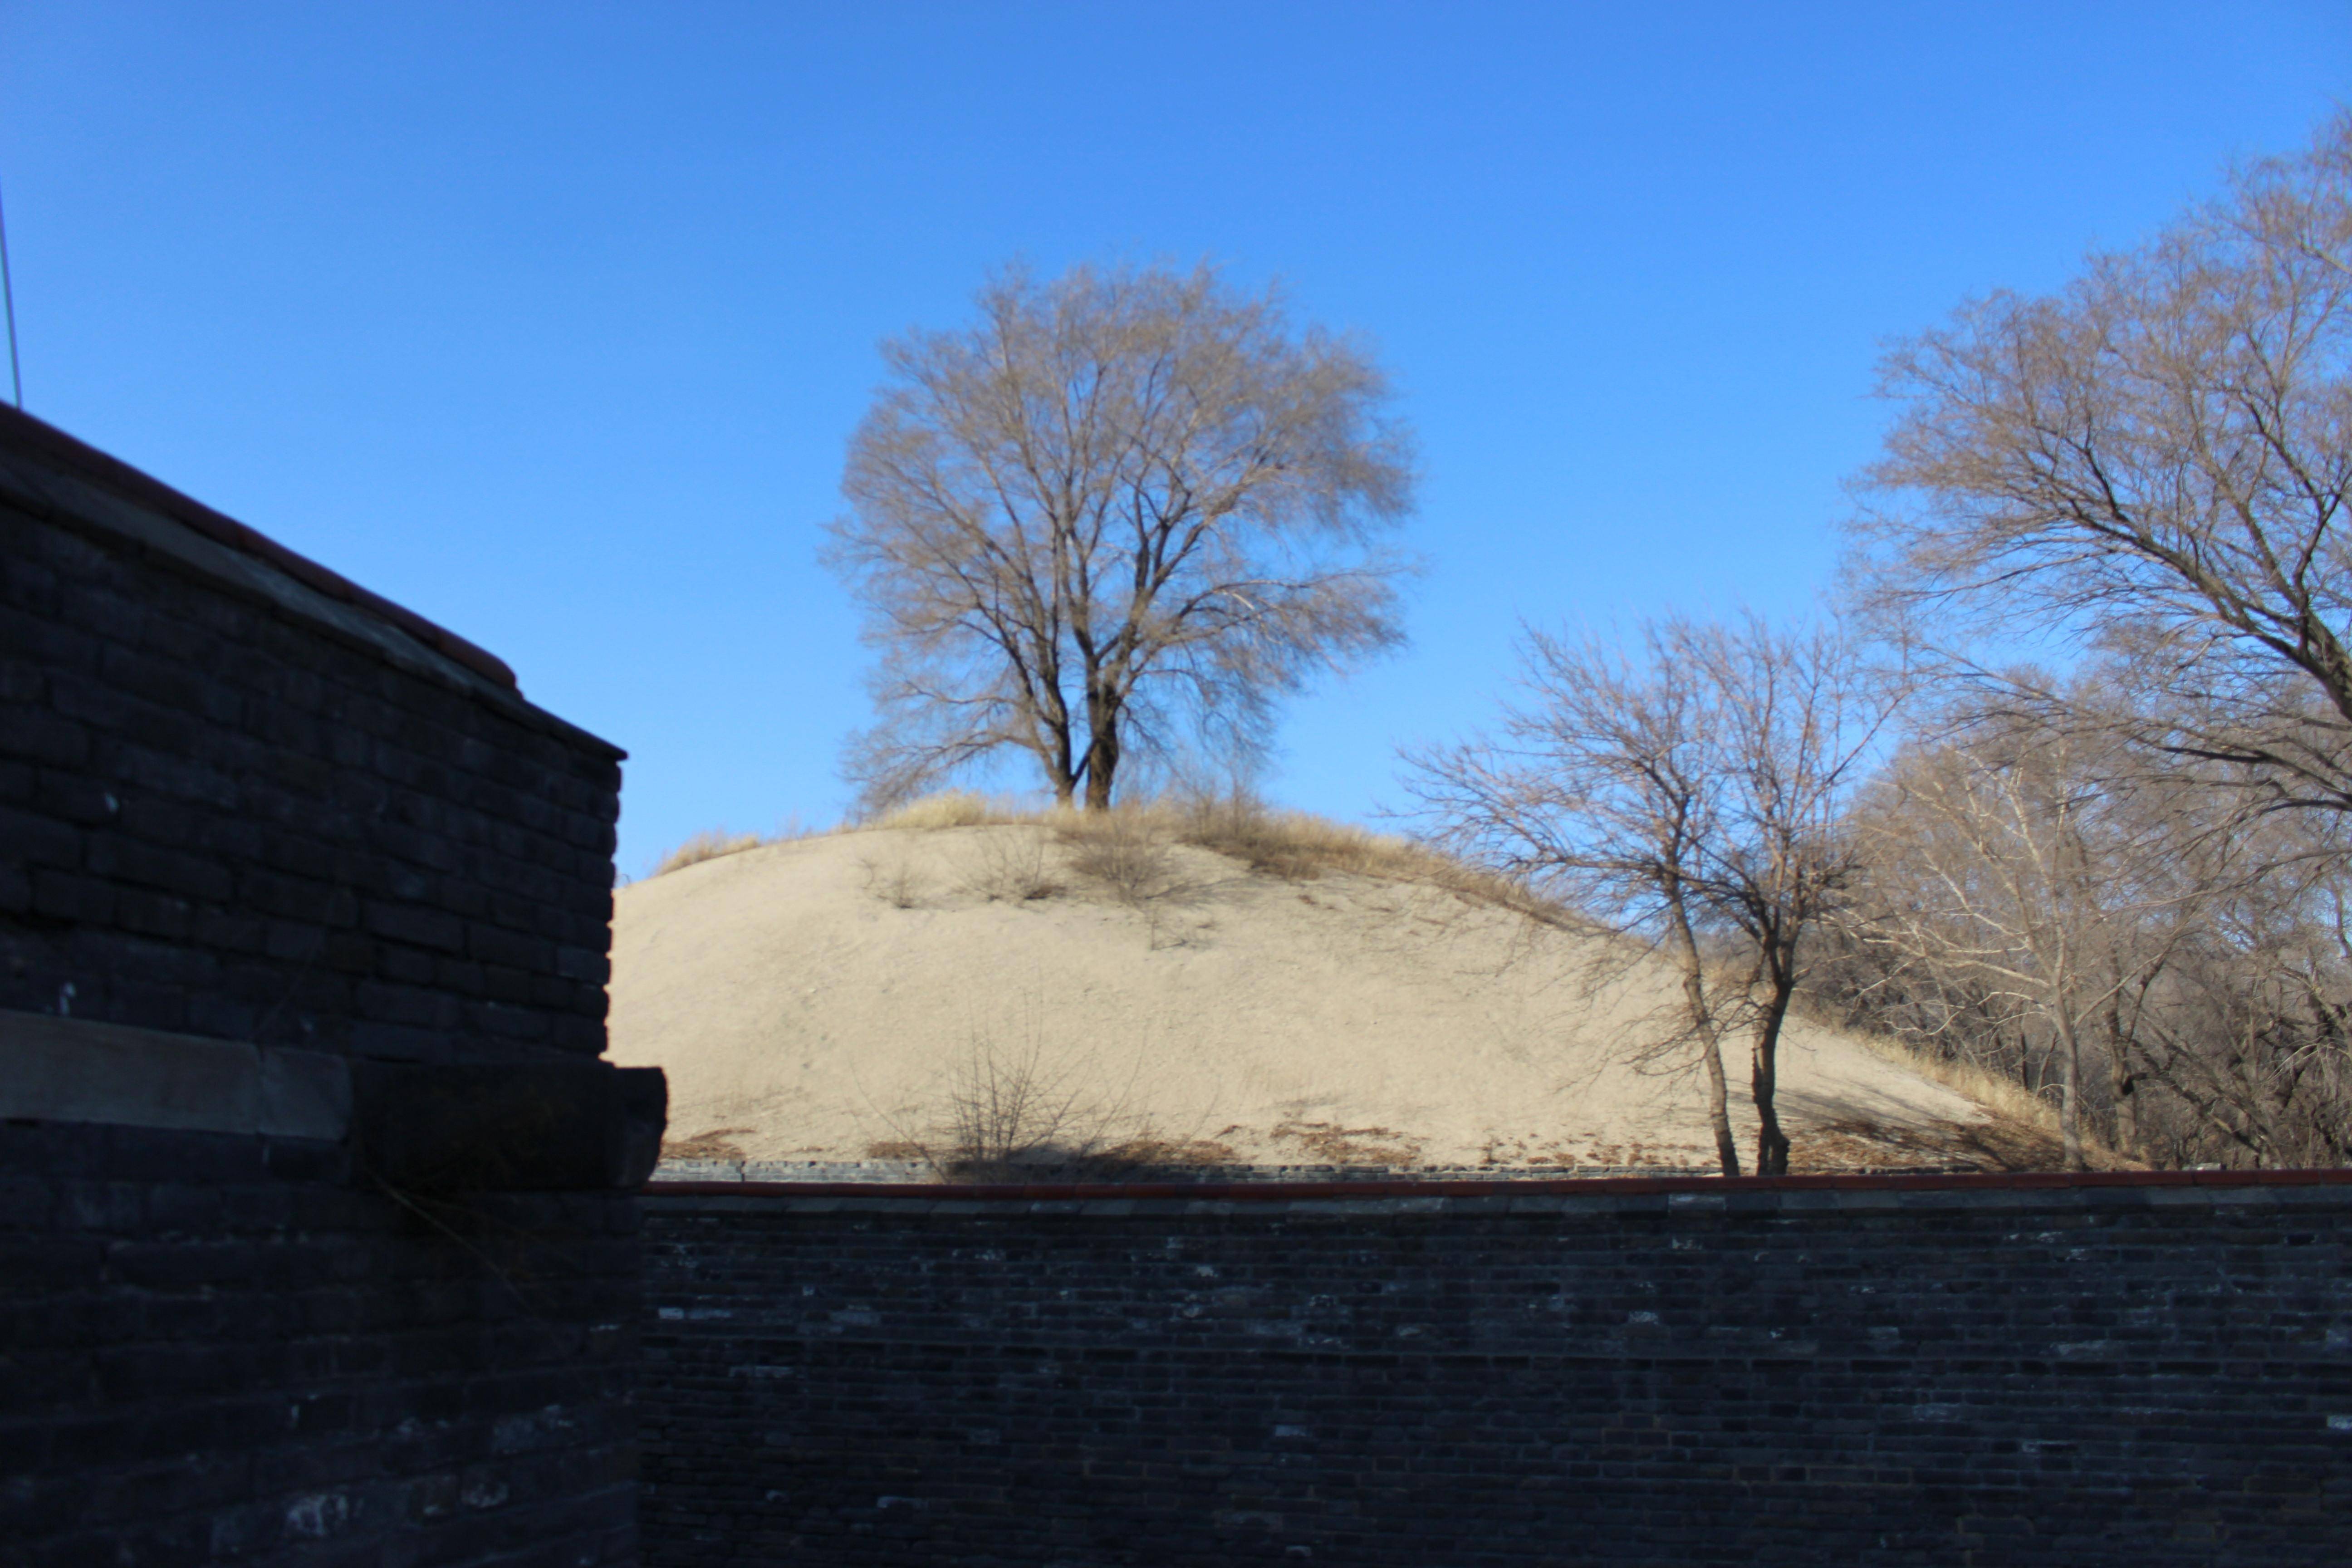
[(1590, 1187)]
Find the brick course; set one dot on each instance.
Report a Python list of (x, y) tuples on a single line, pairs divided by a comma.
[(1936, 1371)]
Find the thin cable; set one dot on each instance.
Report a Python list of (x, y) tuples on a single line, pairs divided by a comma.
[(8, 293)]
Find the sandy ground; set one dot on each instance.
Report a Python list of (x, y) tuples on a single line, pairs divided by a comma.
[(854, 996)]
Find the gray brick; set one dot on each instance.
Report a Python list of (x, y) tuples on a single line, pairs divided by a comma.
[(40, 735), (417, 924)]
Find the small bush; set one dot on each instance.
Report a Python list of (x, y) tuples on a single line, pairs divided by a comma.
[(1010, 867), (1005, 1109), (1125, 850), (896, 880)]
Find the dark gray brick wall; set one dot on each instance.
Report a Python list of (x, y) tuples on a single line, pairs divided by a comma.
[(1962, 1373), (224, 820), (241, 799), (222, 1349)]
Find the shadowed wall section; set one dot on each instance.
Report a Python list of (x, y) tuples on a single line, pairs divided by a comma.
[(1965, 1371), (318, 1242)]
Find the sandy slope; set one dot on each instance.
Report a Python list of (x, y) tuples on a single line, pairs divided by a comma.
[(802, 1014)]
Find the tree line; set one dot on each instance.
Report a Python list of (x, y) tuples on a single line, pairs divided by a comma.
[(2057, 786)]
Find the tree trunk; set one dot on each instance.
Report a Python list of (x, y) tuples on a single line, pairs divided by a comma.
[(1702, 1023), (2123, 1084), (1102, 749), (1719, 1094), (1772, 1143), (2070, 1092)]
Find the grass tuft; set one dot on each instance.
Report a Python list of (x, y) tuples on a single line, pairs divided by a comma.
[(718, 843), (703, 846), (949, 808)]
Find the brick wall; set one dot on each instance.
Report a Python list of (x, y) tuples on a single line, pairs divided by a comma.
[(268, 814), (281, 864), (222, 1348), (1834, 1371)]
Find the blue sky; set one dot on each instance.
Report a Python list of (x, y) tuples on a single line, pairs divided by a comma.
[(550, 320)]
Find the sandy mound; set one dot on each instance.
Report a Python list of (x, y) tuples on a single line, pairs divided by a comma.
[(862, 995)]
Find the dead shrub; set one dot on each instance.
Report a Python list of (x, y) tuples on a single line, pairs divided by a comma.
[(1124, 850), (717, 1144), (1005, 1108), (895, 879), (1010, 867)]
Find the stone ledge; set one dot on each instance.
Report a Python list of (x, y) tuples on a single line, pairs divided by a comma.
[(75, 1069)]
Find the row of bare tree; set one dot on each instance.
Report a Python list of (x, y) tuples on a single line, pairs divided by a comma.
[(2170, 962), (2124, 886), (1130, 505)]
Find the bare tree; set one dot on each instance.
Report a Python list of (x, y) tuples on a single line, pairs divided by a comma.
[(1695, 786), (2026, 900), (2249, 1040), (1605, 787), (1123, 503), (1804, 717), (2156, 459), (1999, 863)]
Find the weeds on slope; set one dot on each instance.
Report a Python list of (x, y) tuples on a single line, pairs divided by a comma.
[(1126, 848)]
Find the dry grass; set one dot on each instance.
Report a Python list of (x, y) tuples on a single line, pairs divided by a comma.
[(706, 846), (719, 842), (1126, 847), (1121, 845), (2005, 1098), (949, 808)]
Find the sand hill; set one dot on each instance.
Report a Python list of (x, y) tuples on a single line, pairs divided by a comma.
[(1002, 990)]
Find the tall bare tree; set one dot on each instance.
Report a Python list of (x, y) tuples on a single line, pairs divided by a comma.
[(1123, 503), (1805, 716), (1695, 786), (2251, 1038), (2157, 459), (1605, 787), (1999, 864)]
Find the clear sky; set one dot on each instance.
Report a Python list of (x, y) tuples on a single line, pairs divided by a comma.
[(550, 320)]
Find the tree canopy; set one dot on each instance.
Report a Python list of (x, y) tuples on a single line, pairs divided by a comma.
[(1125, 507), (2157, 459)]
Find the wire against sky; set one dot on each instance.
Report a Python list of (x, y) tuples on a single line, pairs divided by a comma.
[(9, 297)]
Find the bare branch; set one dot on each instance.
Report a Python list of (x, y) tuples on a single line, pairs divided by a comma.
[(1126, 504)]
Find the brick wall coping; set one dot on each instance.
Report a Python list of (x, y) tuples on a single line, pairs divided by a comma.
[(80, 1070), (1743, 1193), (23, 432)]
